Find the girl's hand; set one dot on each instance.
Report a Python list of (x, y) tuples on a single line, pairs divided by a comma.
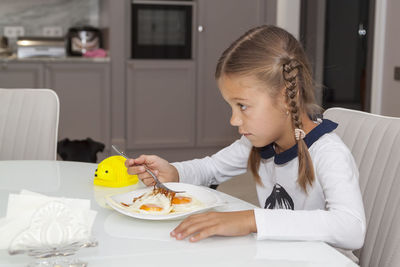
[(203, 225), (164, 171)]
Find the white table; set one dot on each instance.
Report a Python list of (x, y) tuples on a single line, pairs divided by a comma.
[(126, 241)]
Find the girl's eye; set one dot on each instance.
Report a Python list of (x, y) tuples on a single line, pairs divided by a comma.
[(242, 107)]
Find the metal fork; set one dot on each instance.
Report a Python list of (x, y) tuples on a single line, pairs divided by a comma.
[(158, 183)]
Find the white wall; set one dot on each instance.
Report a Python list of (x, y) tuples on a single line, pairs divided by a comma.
[(378, 56), (288, 16), (385, 98)]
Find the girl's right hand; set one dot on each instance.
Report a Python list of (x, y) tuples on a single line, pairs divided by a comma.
[(164, 171)]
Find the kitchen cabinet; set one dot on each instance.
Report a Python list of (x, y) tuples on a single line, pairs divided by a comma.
[(84, 92), (82, 87), (168, 107), (176, 103), (160, 103), (21, 75), (220, 23)]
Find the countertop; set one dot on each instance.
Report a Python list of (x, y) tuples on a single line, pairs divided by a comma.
[(14, 58)]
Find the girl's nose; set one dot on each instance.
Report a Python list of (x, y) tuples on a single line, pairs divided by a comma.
[(235, 120)]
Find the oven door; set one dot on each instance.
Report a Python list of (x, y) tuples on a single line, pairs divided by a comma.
[(162, 29)]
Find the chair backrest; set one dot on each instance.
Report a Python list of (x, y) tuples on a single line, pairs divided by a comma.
[(28, 124), (375, 144)]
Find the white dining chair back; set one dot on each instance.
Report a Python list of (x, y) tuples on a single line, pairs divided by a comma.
[(28, 124), (374, 141)]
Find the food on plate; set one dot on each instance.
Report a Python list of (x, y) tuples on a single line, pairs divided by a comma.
[(161, 201), (157, 201), (183, 202)]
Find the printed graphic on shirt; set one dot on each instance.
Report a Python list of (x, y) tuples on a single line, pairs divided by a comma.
[(279, 199)]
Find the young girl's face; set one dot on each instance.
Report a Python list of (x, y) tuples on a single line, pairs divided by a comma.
[(261, 118)]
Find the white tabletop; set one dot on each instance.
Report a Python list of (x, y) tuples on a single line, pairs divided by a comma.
[(126, 241)]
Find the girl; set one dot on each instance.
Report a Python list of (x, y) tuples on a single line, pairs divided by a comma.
[(307, 180)]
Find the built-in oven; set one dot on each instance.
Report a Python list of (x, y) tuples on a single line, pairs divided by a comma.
[(162, 29)]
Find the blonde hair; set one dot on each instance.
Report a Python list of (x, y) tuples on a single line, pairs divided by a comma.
[(275, 57)]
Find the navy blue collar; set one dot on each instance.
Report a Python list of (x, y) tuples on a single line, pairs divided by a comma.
[(268, 151)]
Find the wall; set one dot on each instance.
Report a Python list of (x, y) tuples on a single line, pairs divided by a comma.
[(34, 15), (288, 16), (385, 90)]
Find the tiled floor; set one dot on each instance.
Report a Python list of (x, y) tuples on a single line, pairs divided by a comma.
[(242, 187)]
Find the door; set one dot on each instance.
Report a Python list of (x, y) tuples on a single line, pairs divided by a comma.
[(345, 54), (346, 45)]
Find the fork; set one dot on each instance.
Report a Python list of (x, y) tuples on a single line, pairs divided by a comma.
[(158, 183)]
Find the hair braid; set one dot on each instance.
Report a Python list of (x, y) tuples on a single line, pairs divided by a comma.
[(291, 75)]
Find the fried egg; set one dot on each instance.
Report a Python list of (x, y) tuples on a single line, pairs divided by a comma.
[(183, 203), (160, 201), (151, 203)]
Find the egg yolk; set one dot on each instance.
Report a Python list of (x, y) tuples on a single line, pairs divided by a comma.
[(150, 207), (181, 200)]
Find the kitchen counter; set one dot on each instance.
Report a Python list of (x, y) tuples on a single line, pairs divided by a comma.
[(55, 59)]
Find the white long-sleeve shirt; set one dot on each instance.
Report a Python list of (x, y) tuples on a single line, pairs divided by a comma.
[(332, 210)]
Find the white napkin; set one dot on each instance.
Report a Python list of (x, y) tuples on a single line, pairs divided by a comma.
[(35, 220)]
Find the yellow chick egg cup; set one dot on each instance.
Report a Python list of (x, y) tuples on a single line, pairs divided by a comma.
[(111, 172)]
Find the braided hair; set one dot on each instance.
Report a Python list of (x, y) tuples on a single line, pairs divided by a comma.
[(276, 58), (291, 74)]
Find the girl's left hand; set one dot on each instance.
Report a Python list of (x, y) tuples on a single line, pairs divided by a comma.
[(203, 225)]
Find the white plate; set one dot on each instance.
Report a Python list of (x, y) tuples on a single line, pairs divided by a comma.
[(207, 196)]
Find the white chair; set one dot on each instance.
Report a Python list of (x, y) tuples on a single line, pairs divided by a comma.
[(375, 143), (28, 124)]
